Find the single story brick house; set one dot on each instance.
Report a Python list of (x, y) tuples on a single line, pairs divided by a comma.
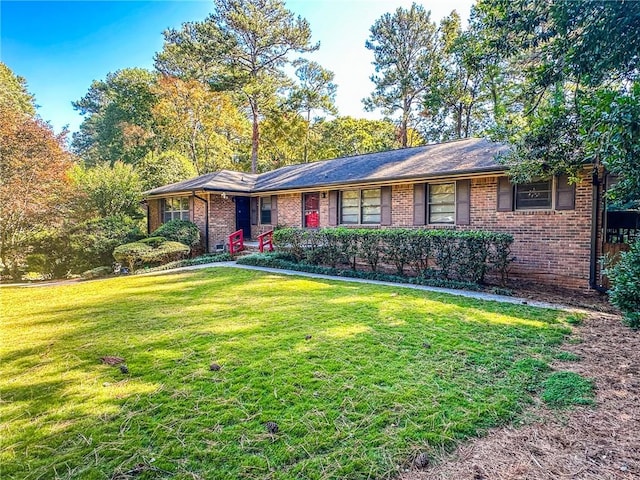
[(560, 230)]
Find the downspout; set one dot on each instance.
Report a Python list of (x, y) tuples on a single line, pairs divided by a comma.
[(206, 221), (595, 214)]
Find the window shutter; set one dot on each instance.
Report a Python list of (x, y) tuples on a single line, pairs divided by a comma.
[(463, 202), (333, 208), (565, 194), (419, 197), (505, 195), (274, 210), (254, 210), (385, 206)]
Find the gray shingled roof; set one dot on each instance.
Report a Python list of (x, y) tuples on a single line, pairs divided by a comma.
[(223, 181), (467, 156)]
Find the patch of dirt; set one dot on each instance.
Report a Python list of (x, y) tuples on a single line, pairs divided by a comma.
[(588, 443)]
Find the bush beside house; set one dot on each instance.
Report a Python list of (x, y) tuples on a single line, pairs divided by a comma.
[(625, 278), (465, 256)]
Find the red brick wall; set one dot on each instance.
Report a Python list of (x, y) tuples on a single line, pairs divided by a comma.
[(222, 219), (154, 214), (290, 210), (550, 246)]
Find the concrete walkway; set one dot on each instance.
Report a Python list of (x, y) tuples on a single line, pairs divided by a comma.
[(451, 291)]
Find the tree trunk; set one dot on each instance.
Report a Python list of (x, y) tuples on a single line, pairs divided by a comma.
[(306, 139), (404, 123), (459, 110), (255, 138)]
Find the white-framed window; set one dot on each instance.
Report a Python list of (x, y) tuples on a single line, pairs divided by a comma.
[(536, 195), (265, 210), (441, 203), (175, 208), (360, 206)]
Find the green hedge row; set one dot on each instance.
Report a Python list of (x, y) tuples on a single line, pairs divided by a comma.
[(447, 254)]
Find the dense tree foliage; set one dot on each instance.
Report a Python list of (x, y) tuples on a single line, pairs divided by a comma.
[(203, 124), (119, 118), (34, 187), (167, 167), (14, 94), (579, 90), (316, 92), (405, 51), (242, 46), (345, 136), (109, 190)]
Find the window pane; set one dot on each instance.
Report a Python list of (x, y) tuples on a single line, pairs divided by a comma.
[(442, 188), (184, 215), (349, 218), (437, 217), (370, 218), (184, 203), (533, 195), (442, 203), (350, 198)]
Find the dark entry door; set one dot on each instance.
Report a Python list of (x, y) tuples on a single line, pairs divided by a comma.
[(243, 216)]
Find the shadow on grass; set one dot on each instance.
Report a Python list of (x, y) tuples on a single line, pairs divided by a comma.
[(357, 376)]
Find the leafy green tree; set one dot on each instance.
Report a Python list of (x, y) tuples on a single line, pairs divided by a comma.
[(243, 46), (109, 190), (203, 124), (13, 92), (345, 136), (168, 167), (315, 92), (119, 118), (579, 63), (455, 100), (284, 135), (404, 46)]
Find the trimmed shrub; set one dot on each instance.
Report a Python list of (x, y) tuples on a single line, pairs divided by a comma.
[(137, 254), (153, 241), (166, 252), (625, 280), (181, 231), (132, 254), (464, 256)]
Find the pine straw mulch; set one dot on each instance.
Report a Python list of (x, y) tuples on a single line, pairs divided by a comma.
[(601, 442)]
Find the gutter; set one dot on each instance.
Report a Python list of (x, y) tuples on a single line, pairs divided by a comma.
[(206, 220), (595, 213)]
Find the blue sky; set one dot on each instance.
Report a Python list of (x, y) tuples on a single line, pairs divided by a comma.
[(61, 47)]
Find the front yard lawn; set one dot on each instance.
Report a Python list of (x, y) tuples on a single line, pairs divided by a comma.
[(358, 378)]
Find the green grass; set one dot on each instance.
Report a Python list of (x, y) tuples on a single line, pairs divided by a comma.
[(563, 389), (356, 400)]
